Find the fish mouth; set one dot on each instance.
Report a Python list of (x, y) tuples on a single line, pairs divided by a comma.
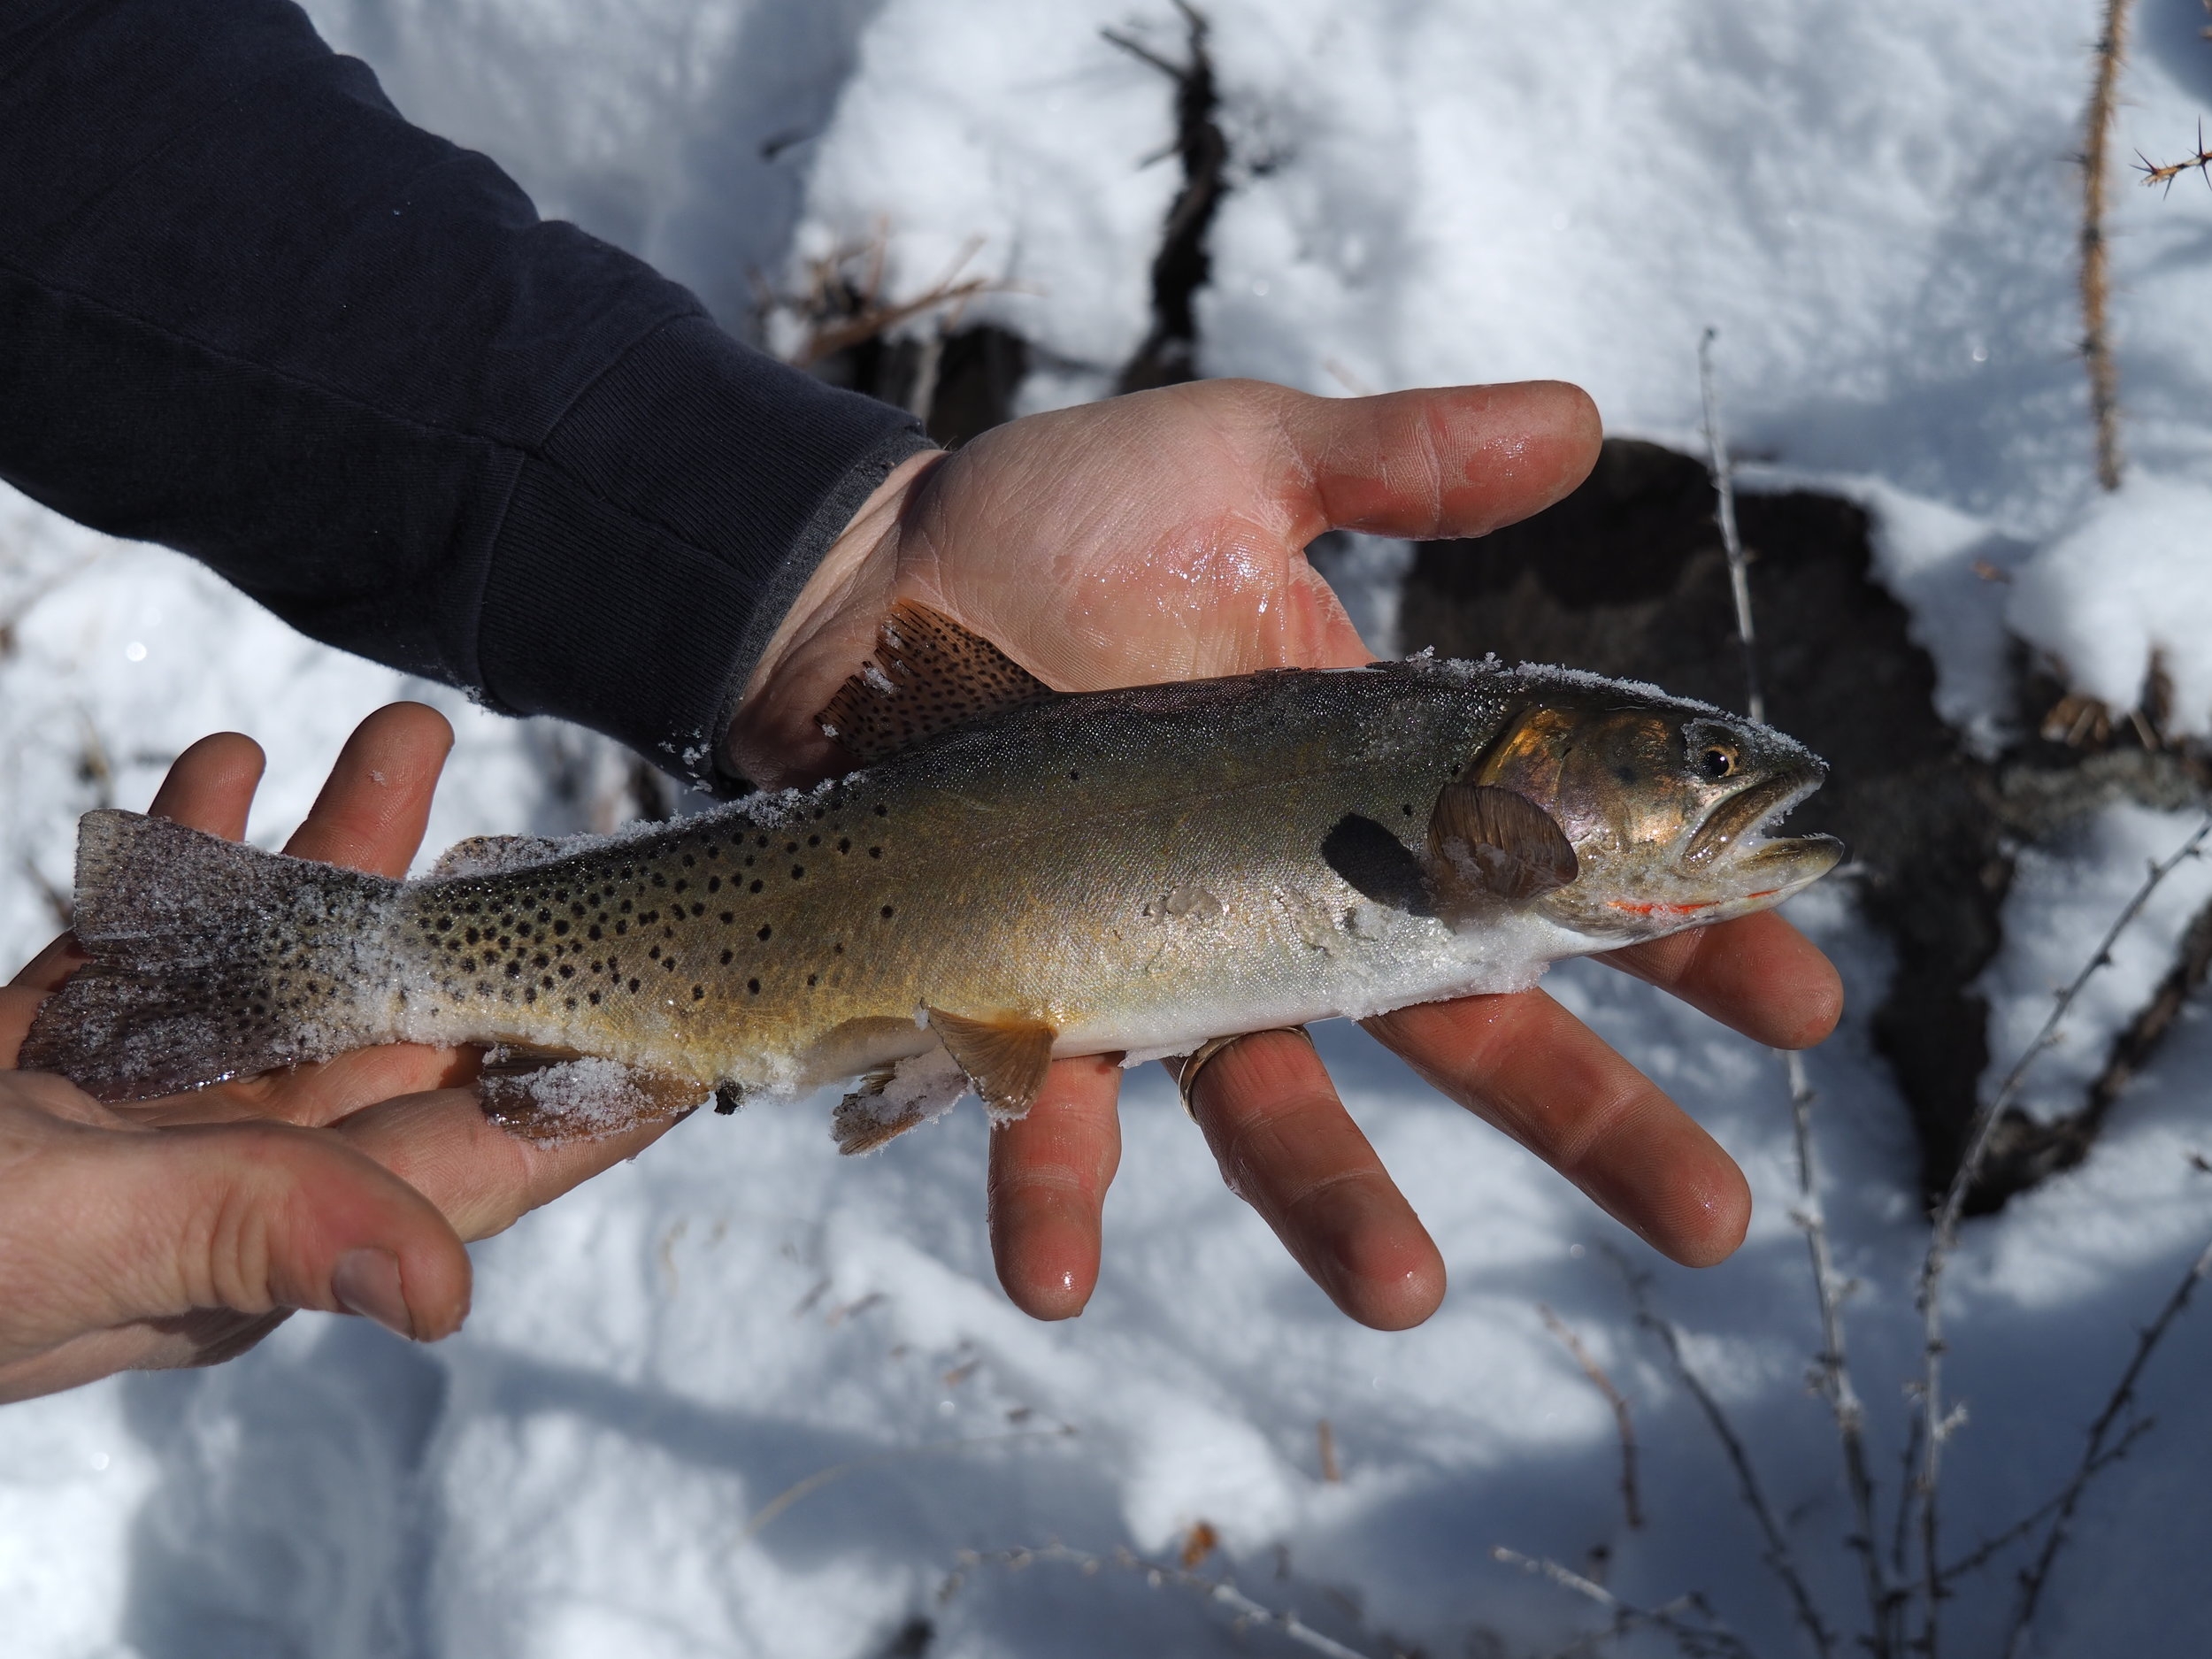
[(1734, 835)]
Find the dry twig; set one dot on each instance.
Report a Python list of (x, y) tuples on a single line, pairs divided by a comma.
[(1615, 1398), (1778, 1556), (1247, 1612), (2166, 172), (1712, 1638), (2094, 1456), (1937, 1425), (2096, 343), (1832, 1371)]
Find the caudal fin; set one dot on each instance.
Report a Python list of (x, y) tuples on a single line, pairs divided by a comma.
[(209, 960)]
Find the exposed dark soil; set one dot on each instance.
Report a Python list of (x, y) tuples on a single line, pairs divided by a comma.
[(1627, 577)]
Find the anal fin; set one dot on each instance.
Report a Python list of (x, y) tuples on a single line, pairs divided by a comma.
[(928, 675), (551, 1095), (1005, 1059), (1489, 843)]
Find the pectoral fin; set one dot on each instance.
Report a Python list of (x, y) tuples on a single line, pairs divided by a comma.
[(1006, 1059), (1485, 842), (551, 1095), (928, 675)]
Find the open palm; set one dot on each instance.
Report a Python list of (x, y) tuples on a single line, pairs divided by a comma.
[(1161, 536)]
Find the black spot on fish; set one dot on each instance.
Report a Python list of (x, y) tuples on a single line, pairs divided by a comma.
[(698, 993), (756, 887), (875, 852), (814, 840), (688, 861), (595, 932), (887, 912), (714, 884), (633, 983), (798, 872), (594, 999), (753, 986), (811, 978), (765, 933), (882, 810), (728, 917), (727, 957)]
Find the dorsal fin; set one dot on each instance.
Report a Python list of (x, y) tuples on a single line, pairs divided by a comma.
[(928, 675), (489, 855), (1485, 841)]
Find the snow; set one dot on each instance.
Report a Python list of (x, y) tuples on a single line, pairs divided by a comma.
[(745, 1396)]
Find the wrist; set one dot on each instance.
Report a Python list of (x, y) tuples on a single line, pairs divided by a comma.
[(831, 622)]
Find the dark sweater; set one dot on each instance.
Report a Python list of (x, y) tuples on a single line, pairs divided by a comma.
[(248, 311)]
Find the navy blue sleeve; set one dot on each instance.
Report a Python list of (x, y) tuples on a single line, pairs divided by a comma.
[(248, 311)]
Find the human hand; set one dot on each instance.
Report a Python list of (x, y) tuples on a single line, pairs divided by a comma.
[(182, 1231), (1161, 536)]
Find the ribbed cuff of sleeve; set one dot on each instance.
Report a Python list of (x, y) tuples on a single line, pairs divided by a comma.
[(652, 543)]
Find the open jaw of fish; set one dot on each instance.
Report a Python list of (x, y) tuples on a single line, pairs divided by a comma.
[(1012, 875)]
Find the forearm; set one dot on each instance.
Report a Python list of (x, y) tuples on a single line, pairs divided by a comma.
[(249, 312)]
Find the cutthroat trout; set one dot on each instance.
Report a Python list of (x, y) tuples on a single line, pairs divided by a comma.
[(1013, 874)]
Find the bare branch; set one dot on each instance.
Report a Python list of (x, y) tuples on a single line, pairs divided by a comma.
[(1220, 1591), (2092, 1458), (1989, 1548), (2165, 174), (1699, 1640), (2096, 343), (1936, 1425), (1724, 499), (1779, 1558), (1614, 1398), (1833, 1375)]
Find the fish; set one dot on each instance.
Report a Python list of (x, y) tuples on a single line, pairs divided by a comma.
[(1011, 875)]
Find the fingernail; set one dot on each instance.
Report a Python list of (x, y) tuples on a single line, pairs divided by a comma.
[(366, 1282)]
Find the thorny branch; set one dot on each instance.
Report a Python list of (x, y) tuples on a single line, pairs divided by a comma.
[(1937, 1425), (2096, 343), (1712, 1638), (2166, 172), (2094, 1454), (1247, 1612), (1779, 1555)]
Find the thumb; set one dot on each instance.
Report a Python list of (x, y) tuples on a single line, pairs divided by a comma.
[(248, 1217), (1446, 461)]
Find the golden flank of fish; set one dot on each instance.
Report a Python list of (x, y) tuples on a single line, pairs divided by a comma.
[(1013, 875)]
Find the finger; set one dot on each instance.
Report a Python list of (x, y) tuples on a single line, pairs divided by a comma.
[(117, 1228), (209, 787), (482, 1178), (376, 802), (1049, 1175), (1447, 461), (1287, 1148), (1757, 975), (1527, 1065)]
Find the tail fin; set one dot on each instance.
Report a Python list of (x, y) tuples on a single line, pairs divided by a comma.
[(209, 960)]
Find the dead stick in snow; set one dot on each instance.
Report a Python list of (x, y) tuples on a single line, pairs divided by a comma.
[(1937, 1426), (1779, 1558), (1884, 1605), (1713, 1637), (1615, 1398), (2096, 343), (1247, 1612), (1989, 1548), (2032, 1581), (1833, 1369)]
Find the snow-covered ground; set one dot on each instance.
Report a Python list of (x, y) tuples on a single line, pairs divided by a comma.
[(743, 1397)]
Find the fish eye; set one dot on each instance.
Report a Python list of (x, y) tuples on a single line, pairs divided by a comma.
[(1716, 761)]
